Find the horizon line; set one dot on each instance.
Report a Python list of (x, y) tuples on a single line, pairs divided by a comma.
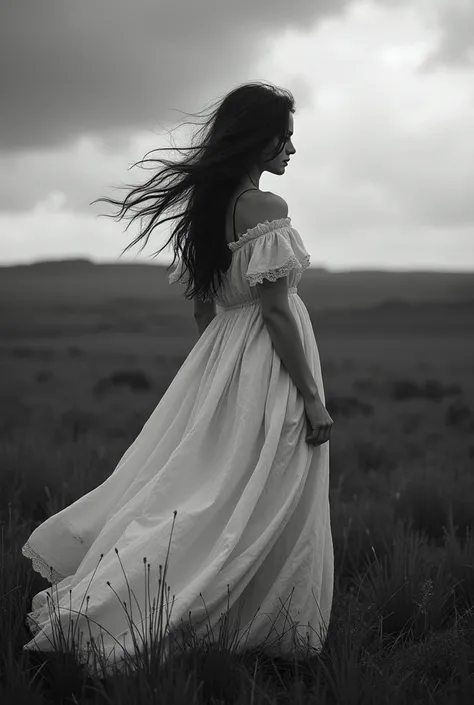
[(321, 267)]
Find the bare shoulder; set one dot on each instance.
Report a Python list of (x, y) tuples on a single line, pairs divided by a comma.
[(259, 207), (277, 200)]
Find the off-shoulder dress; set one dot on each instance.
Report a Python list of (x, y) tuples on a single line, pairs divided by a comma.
[(225, 447)]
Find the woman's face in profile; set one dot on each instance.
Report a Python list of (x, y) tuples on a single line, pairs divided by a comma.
[(278, 164)]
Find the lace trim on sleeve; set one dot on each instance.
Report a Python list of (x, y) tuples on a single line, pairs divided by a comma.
[(277, 272), (278, 249), (40, 566)]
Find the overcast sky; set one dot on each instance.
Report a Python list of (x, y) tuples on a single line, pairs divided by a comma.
[(383, 175)]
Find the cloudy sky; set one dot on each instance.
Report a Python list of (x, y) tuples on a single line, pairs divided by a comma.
[(383, 175)]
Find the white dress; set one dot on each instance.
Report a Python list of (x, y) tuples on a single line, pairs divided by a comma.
[(225, 447)]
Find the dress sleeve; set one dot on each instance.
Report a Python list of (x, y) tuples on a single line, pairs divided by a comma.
[(276, 250)]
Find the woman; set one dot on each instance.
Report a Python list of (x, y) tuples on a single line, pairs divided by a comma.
[(233, 463)]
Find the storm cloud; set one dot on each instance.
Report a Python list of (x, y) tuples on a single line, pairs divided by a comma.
[(384, 96)]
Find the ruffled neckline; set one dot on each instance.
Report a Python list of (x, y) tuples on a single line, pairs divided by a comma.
[(260, 229)]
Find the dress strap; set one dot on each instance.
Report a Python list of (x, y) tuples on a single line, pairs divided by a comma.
[(233, 218)]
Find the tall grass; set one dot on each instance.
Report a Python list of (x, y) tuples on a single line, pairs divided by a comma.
[(402, 492), (401, 632)]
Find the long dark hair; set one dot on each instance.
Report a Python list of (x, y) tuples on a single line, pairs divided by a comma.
[(235, 135)]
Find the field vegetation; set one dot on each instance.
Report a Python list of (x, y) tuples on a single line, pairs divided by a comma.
[(87, 351)]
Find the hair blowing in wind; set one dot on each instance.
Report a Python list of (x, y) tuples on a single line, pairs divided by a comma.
[(228, 144)]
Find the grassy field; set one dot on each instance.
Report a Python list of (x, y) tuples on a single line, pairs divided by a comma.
[(87, 351)]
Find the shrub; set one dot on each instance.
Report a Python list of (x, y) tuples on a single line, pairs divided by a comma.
[(134, 379)]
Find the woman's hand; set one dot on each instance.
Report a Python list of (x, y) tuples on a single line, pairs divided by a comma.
[(319, 421)]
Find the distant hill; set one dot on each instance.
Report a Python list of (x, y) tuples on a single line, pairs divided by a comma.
[(81, 262), (47, 264), (81, 282)]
